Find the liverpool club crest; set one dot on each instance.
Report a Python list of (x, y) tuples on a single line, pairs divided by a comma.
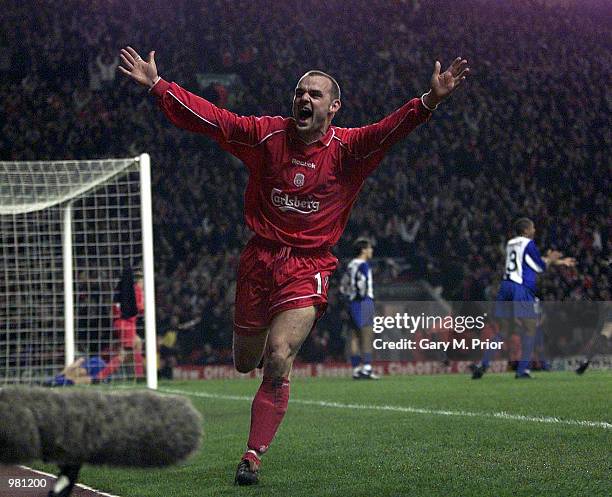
[(298, 180)]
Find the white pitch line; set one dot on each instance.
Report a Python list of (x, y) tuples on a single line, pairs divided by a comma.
[(413, 410), (80, 485)]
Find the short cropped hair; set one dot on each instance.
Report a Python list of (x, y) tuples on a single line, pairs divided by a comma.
[(521, 225), (335, 89), (360, 245)]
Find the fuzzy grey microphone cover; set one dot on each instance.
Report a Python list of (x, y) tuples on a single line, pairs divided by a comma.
[(66, 426)]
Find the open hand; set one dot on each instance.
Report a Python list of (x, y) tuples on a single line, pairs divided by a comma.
[(134, 66), (566, 261), (442, 85)]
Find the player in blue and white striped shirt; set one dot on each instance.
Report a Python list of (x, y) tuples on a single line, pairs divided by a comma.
[(358, 287), (516, 302)]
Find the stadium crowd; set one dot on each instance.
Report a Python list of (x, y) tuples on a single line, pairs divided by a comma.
[(529, 135)]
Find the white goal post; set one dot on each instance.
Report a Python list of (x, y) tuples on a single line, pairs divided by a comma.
[(69, 230)]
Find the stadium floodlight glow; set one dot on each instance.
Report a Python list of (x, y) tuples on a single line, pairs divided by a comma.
[(67, 230)]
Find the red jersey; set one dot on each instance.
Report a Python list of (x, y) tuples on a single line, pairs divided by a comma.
[(298, 194)]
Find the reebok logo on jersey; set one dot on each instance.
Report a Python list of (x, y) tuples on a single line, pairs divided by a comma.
[(295, 204), (297, 162)]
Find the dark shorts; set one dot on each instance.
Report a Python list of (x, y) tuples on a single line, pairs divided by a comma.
[(515, 301), (362, 312), (273, 278)]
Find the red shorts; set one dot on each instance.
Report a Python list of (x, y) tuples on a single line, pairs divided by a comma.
[(125, 331), (273, 278)]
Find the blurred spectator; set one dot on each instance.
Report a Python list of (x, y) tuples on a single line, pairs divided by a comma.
[(167, 354)]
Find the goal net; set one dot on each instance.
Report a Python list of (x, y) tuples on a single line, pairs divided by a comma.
[(70, 233)]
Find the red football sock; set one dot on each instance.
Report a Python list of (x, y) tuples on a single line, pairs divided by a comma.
[(267, 412), (138, 369)]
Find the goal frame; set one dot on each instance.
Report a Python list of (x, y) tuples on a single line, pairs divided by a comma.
[(143, 162)]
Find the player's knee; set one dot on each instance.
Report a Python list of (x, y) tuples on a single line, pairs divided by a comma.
[(279, 361)]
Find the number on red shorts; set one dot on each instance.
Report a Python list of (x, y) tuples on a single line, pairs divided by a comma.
[(319, 282)]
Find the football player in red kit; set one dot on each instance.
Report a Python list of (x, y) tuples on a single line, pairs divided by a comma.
[(304, 176), (125, 330)]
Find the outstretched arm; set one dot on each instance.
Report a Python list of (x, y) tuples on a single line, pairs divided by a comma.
[(184, 109), (371, 142), (555, 258), (238, 135)]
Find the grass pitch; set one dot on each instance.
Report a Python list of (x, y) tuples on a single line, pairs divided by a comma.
[(401, 436)]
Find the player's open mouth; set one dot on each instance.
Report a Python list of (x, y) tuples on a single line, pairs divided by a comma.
[(304, 114)]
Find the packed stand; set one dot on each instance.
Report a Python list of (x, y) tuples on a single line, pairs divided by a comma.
[(528, 135)]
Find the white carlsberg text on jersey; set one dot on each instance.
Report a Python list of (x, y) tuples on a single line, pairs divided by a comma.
[(286, 203)]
